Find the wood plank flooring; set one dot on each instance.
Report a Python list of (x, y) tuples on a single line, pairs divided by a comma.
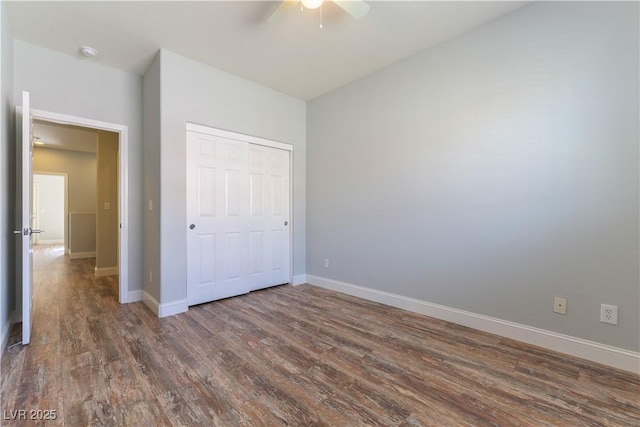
[(299, 356)]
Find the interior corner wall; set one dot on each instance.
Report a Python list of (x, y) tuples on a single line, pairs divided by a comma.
[(7, 160), (79, 87), (196, 93), (151, 204), (107, 209), (491, 173)]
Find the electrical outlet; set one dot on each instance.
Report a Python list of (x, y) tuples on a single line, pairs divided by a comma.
[(150, 276), (560, 305), (326, 263), (609, 314)]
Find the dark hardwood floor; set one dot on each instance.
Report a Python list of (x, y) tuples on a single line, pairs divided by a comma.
[(296, 356)]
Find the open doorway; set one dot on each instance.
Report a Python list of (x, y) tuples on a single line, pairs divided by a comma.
[(92, 154), (25, 117), (89, 158), (50, 208)]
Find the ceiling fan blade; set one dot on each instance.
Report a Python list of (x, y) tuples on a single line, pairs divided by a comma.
[(355, 8), (280, 12)]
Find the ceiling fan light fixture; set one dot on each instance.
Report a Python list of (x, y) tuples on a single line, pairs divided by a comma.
[(312, 4)]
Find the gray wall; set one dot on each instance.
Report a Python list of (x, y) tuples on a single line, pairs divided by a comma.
[(7, 160), (80, 168), (82, 234), (491, 173), (151, 131), (194, 92), (78, 87), (107, 192)]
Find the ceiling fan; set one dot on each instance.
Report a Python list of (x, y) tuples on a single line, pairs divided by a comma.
[(355, 8)]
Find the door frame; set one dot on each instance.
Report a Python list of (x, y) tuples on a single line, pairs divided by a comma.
[(208, 130), (123, 185), (24, 217), (65, 229)]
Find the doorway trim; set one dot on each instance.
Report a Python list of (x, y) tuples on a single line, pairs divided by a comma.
[(123, 185), (65, 226)]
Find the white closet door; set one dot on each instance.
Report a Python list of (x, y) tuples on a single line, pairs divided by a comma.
[(217, 211), (238, 213), (269, 217)]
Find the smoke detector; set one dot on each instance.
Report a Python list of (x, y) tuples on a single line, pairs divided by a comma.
[(88, 51)]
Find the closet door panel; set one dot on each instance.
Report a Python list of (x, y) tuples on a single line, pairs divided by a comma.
[(216, 215), (272, 165), (238, 213)]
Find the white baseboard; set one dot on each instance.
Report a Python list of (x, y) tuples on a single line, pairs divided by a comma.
[(80, 255), (107, 271), (150, 302), (50, 242), (4, 333), (299, 279), (173, 307), (165, 309), (596, 352), (134, 296)]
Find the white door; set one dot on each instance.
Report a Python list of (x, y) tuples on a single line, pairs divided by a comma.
[(24, 231), (238, 214), (269, 243), (217, 181)]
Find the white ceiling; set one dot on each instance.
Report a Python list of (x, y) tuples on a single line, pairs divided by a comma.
[(292, 55)]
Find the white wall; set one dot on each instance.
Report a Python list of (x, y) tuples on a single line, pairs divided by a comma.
[(49, 207), (491, 173), (76, 86), (194, 92), (7, 170)]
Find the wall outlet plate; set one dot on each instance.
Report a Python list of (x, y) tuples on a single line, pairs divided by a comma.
[(560, 305), (609, 314)]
